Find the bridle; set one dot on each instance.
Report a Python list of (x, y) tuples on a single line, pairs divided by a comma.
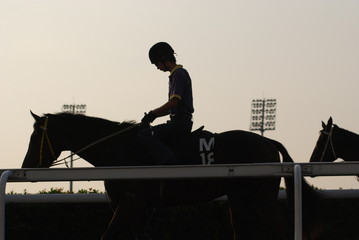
[(58, 161), (329, 140), (45, 135), (55, 161)]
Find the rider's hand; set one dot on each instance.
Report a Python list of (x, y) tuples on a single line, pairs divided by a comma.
[(148, 118)]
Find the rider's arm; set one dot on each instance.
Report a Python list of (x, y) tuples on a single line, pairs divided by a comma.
[(165, 108)]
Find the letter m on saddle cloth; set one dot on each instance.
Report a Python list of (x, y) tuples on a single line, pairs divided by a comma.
[(197, 148), (206, 147)]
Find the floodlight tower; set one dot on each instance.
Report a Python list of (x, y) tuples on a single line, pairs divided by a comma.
[(263, 115), (74, 109)]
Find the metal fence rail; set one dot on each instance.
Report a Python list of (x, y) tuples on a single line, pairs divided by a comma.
[(180, 172)]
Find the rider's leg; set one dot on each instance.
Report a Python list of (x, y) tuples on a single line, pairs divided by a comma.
[(153, 141)]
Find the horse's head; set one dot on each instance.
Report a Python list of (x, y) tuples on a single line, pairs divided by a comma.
[(43, 149), (324, 149)]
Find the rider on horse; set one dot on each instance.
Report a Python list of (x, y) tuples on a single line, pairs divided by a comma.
[(179, 106)]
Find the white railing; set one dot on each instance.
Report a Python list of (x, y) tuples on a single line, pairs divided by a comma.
[(180, 172)]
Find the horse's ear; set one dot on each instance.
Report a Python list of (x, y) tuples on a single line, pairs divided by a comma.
[(330, 122), (37, 118), (323, 125)]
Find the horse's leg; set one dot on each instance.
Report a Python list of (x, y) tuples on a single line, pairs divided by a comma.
[(128, 214), (277, 220), (268, 209), (250, 200), (258, 204), (240, 211), (116, 225)]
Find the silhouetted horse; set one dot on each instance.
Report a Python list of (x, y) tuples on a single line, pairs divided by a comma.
[(131, 199), (335, 142)]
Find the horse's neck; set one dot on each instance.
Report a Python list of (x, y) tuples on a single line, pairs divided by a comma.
[(104, 149), (84, 145), (348, 146), (77, 144)]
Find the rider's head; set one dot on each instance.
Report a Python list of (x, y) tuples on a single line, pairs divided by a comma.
[(161, 52)]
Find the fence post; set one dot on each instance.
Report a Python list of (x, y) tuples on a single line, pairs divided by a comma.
[(297, 202), (3, 179)]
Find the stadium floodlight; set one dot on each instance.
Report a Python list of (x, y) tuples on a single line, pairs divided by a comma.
[(263, 114), (74, 108)]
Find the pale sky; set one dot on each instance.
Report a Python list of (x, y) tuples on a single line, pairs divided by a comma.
[(303, 53)]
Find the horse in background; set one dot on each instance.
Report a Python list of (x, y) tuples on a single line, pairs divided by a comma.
[(132, 199), (335, 142)]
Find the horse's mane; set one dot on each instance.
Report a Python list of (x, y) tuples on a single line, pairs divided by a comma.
[(346, 132), (89, 119)]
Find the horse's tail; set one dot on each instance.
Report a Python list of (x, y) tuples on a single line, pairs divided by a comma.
[(311, 199)]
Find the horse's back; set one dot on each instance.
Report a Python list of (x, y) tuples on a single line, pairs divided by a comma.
[(239, 146), (236, 146)]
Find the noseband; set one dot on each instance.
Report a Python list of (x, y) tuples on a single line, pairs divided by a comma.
[(329, 140), (45, 135)]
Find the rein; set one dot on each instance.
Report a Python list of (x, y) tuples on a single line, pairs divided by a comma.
[(329, 140), (45, 135), (58, 162)]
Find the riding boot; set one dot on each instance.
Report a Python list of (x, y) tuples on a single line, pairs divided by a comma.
[(164, 155), (159, 152)]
